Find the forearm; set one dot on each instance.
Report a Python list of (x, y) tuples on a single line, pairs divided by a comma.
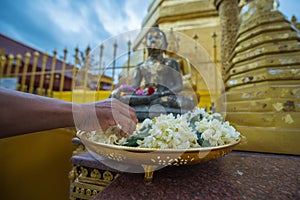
[(25, 113)]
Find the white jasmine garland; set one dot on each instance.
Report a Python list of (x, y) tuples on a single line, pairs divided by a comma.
[(170, 132)]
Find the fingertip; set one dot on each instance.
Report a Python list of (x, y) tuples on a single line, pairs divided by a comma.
[(123, 133)]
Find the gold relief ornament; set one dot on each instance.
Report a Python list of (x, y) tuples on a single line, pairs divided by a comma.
[(108, 176), (73, 174), (88, 185), (88, 192), (83, 172), (278, 106), (95, 174), (296, 72), (288, 119), (296, 92)]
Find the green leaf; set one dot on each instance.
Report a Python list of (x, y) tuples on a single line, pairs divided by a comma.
[(132, 141), (206, 143), (199, 140)]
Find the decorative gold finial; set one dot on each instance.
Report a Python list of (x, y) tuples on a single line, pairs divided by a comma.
[(195, 37), (33, 71), (294, 19), (24, 72), (173, 44)]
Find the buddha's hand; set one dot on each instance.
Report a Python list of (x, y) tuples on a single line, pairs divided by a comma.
[(159, 94)]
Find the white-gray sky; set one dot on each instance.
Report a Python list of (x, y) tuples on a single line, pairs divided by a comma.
[(57, 24)]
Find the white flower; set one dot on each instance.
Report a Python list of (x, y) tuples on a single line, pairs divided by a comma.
[(147, 123), (200, 112), (109, 136), (170, 132), (217, 132)]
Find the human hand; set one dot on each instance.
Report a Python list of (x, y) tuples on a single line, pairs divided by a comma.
[(103, 114)]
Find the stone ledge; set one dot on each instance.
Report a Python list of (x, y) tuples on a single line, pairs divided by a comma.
[(239, 175)]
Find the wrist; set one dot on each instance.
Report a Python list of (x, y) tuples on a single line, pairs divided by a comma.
[(84, 116), (63, 114)]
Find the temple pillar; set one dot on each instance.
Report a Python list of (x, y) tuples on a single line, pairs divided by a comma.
[(229, 23)]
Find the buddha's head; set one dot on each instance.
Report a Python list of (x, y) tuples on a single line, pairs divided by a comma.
[(156, 40)]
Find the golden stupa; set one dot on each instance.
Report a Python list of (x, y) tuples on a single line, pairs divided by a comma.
[(262, 80)]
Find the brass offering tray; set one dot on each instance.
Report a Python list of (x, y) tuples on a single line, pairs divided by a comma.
[(147, 160)]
